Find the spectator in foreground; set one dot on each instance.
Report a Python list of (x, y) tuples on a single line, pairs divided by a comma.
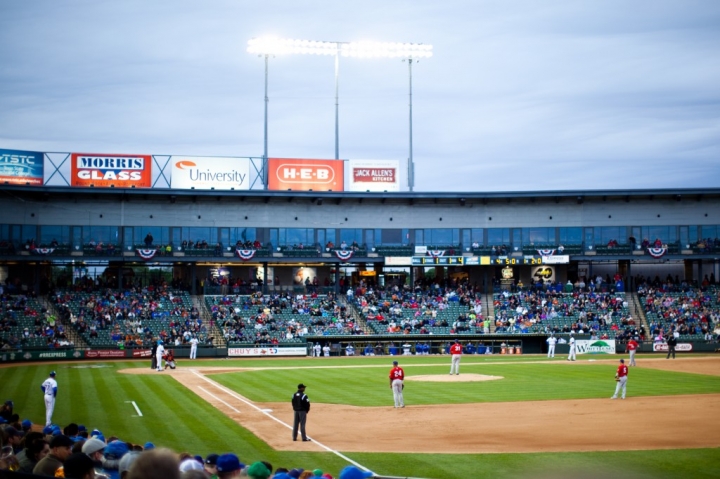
[(155, 464), (79, 466), (59, 452)]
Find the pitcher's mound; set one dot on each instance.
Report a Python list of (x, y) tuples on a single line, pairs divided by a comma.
[(453, 378)]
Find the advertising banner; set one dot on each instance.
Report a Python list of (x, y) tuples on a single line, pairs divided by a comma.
[(663, 347), (303, 175), (105, 353), (143, 353), (297, 351), (598, 346), (556, 259), (546, 274), (19, 167), (374, 175), (106, 171), (202, 173)]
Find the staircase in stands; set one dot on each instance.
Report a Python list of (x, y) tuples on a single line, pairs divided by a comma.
[(72, 335), (636, 308), (489, 310), (213, 331)]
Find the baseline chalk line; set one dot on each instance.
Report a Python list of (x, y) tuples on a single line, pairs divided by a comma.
[(136, 408)]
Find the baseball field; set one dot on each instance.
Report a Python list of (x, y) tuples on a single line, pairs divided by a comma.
[(522, 416)]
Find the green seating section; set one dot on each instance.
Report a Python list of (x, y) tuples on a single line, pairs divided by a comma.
[(674, 309), (25, 317)]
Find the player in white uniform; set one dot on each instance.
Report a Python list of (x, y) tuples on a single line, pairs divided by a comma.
[(159, 355), (193, 347), (571, 341), (349, 350), (316, 350), (552, 340), (326, 351), (49, 389)]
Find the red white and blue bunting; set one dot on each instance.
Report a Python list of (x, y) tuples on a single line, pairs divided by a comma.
[(146, 254), (44, 250), (246, 254), (343, 255), (657, 252), (546, 252), (436, 253)]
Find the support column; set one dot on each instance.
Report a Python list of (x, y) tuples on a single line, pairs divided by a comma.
[(193, 279), (265, 271), (337, 278)]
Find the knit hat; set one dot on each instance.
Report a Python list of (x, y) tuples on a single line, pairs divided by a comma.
[(93, 445)]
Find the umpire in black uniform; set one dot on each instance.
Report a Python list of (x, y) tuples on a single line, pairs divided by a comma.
[(301, 406), (153, 359), (671, 342)]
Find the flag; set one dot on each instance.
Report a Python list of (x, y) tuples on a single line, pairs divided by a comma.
[(147, 254), (343, 255), (246, 254), (435, 253), (657, 252), (546, 252)]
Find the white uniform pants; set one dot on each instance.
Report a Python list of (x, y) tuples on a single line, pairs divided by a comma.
[(158, 357), (49, 408), (193, 351), (571, 356), (622, 384), (551, 351), (632, 357), (455, 364), (397, 388)]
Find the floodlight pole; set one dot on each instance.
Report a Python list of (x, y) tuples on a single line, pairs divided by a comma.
[(411, 166), (265, 136), (337, 103)]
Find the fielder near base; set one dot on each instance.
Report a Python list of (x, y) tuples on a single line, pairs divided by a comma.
[(552, 340), (621, 380), (571, 355), (397, 377), (193, 347), (632, 346)]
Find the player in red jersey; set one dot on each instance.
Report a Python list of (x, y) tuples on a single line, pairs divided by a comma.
[(456, 352), (621, 380), (397, 376), (631, 347)]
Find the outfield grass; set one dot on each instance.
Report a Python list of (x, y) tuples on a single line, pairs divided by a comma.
[(94, 395)]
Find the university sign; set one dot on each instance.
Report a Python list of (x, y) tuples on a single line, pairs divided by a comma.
[(202, 173)]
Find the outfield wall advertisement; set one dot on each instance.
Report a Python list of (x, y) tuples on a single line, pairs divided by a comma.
[(595, 346), (296, 351), (203, 173), (304, 175), (18, 167), (108, 171), (374, 175)]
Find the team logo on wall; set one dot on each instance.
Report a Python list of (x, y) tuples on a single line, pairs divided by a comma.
[(507, 273), (107, 171), (546, 274)]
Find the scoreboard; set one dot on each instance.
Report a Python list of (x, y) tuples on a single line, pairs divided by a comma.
[(476, 260)]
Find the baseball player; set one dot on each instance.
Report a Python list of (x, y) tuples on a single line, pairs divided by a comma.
[(397, 376), (571, 341), (316, 350), (193, 347), (621, 380), (159, 354), (326, 351), (456, 352), (631, 347), (350, 350), (301, 408), (552, 340), (49, 389)]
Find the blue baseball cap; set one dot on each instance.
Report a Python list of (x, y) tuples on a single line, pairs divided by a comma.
[(116, 450), (95, 432), (81, 428), (148, 446), (2, 420), (52, 373), (56, 431), (26, 424), (229, 463), (47, 430), (352, 472)]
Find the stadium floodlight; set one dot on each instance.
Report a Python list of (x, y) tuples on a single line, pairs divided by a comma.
[(267, 46)]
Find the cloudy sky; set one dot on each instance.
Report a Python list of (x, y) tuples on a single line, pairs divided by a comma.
[(519, 95)]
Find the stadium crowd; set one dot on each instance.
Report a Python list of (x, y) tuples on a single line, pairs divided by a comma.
[(78, 453)]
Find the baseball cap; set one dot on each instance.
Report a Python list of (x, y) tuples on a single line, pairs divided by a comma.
[(61, 441), (9, 403), (282, 475), (148, 446), (26, 424), (327, 476), (52, 373), (47, 430), (211, 459), (93, 445), (77, 465), (81, 428), (190, 465), (352, 472), (229, 463), (258, 470), (116, 450), (2, 420), (301, 386), (317, 472), (127, 461), (395, 363), (12, 432), (56, 431), (295, 473), (96, 432)]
